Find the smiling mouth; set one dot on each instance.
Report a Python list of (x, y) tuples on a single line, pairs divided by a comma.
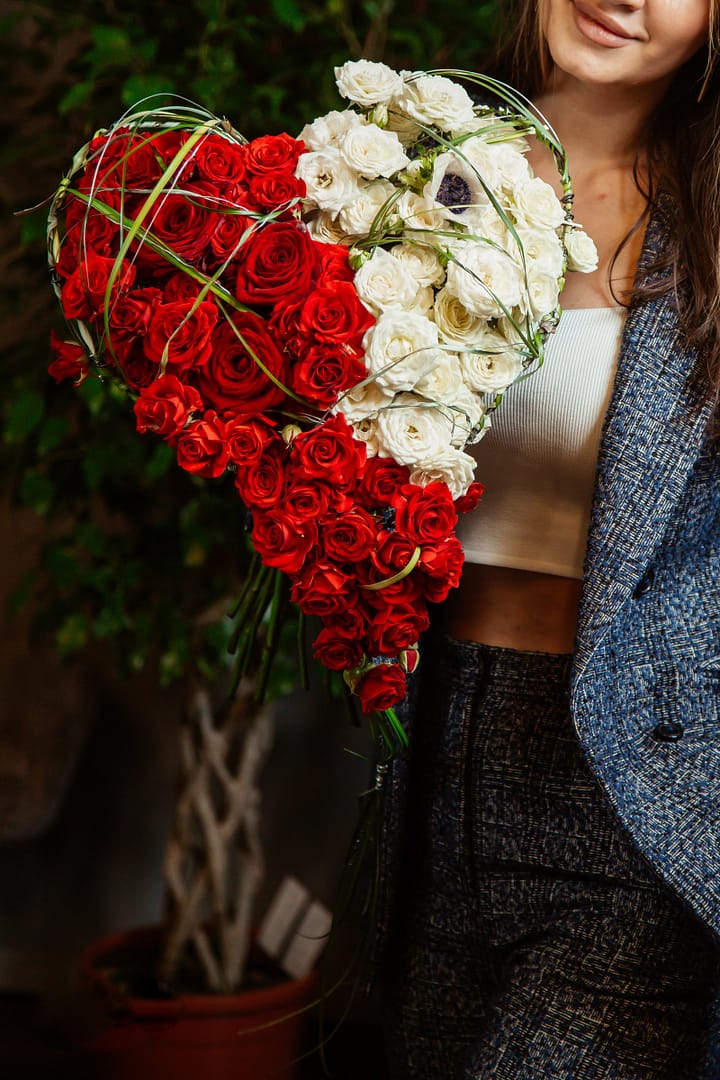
[(610, 35)]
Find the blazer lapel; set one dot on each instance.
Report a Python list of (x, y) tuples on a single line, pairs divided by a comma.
[(654, 426)]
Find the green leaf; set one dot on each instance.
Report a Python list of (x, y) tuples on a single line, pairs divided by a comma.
[(72, 635), (289, 14), (78, 95), (36, 491), (138, 87), (52, 434), (61, 566), (22, 415)]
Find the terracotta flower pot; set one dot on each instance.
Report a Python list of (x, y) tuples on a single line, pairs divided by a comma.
[(253, 1034)]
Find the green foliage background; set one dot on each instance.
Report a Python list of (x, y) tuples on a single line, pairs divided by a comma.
[(136, 553)]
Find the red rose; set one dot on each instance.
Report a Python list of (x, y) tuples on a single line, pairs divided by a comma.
[(273, 153), (247, 439), (276, 263), (269, 191), (71, 361), (427, 514), (334, 263), (83, 293), (396, 627), (201, 448), (186, 334), (141, 166), (167, 144), (335, 314), (181, 286), (183, 222), (392, 553), (261, 483), (307, 500), (349, 537), (322, 589), (442, 566), (230, 228), (130, 315), (232, 378), (281, 543), (133, 364), (165, 406), (382, 478), (330, 452), (90, 230), (383, 686), (337, 651), (220, 160), (323, 372), (350, 622), (470, 499)]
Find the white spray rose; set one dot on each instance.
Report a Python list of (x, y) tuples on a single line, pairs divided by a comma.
[(511, 164), (373, 152), (543, 249), (400, 348), (421, 261), (367, 83), (581, 251), (433, 99), (454, 467), (383, 283), (538, 204), (456, 325), (412, 431), (492, 370), (330, 184), (542, 294), (329, 130), (419, 212), (483, 278), (323, 227), (363, 402), (357, 218)]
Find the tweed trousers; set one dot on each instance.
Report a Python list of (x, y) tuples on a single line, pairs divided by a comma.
[(530, 938)]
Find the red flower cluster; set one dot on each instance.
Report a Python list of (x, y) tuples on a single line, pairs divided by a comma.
[(185, 259)]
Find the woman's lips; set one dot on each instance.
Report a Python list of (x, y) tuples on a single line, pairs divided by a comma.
[(597, 32)]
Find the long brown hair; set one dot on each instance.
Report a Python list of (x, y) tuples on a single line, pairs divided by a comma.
[(682, 150)]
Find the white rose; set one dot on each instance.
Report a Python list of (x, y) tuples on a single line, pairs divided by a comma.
[(366, 430), (493, 369), (456, 325), (433, 99), (445, 385), (363, 402), (421, 261), (373, 152), (581, 251), (328, 130), (383, 283), (400, 348), (444, 381), (543, 250), (330, 183), (454, 467), (492, 130), (419, 212), (538, 204), (542, 294), (483, 278), (323, 227), (357, 217), (406, 129), (511, 165), (412, 431), (367, 83)]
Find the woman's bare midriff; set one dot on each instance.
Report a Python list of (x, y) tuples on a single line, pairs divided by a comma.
[(515, 609)]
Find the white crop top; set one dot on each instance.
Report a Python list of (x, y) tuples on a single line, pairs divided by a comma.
[(539, 458)]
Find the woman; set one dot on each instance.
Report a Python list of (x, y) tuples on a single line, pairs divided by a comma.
[(557, 905)]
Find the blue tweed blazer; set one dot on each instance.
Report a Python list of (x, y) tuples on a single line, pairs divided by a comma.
[(646, 677)]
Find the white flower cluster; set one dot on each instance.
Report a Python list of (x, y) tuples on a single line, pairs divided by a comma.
[(461, 256)]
